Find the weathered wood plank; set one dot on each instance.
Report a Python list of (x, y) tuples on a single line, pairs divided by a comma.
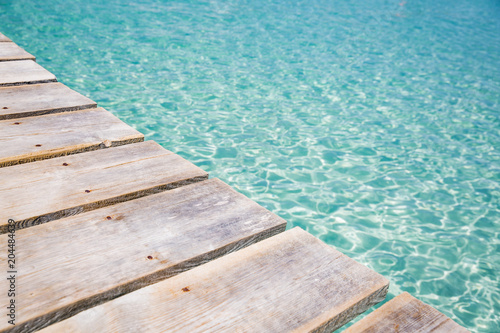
[(291, 282), (39, 192), (11, 51), (37, 138), (405, 313), (4, 38), (72, 264), (14, 73), (39, 99)]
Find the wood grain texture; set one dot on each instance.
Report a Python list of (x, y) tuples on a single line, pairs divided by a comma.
[(40, 99), (291, 282), (11, 51), (40, 192), (72, 264), (405, 313), (37, 138), (14, 73), (4, 38)]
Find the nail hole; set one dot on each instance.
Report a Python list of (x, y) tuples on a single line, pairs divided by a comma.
[(38, 145), (87, 191), (149, 257), (185, 289), (16, 123), (65, 164), (108, 217), (5, 108)]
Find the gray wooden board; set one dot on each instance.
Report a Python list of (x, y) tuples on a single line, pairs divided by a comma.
[(37, 138), (39, 99), (40, 192), (405, 313), (4, 38), (11, 51), (74, 263), (13, 73), (291, 282)]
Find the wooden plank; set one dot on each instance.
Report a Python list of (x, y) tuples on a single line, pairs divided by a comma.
[(37, 138), (405, 313), (72, 264), (4, 38), (14, 73), (291, 282), (11, 51), (40, 192), (40, 99)]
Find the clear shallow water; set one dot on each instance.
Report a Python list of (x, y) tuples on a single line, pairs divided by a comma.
[(375, 126)]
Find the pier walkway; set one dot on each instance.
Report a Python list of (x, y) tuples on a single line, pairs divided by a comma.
[(101, 231)]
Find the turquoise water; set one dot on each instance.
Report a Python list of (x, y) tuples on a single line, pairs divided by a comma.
[(374, 125)]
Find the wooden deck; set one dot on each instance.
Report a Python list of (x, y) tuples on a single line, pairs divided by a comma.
[(130, 245), (114, 234)]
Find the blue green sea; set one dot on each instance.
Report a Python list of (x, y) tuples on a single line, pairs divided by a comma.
[(374, 125)]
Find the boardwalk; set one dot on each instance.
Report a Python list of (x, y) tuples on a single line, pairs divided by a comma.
[(107, 232)]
